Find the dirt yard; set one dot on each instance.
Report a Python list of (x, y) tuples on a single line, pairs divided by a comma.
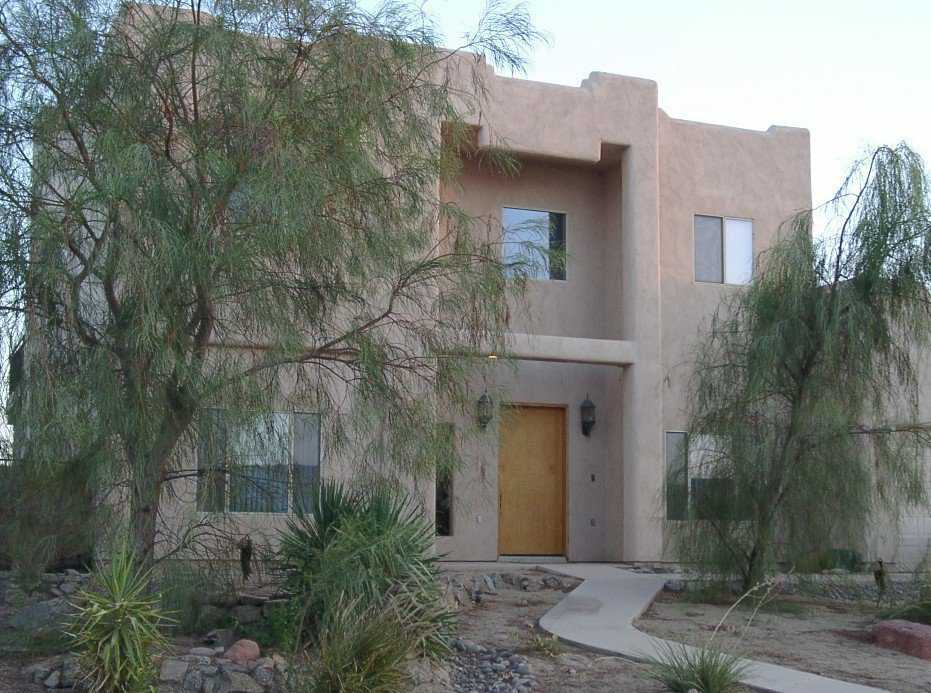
[(828, 638), (507, 620)]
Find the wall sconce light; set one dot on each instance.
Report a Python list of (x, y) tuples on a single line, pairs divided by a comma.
[(484, 410), (587, 409)]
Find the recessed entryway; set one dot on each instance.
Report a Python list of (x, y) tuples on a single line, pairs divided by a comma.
[(532, 481)]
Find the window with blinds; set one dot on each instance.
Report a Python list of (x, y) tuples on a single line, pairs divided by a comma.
[(265, 463)]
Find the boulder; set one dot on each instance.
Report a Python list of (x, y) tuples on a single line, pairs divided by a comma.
[(911, 638), (173, 670), (243, 652), (40, 671), (47, 615)]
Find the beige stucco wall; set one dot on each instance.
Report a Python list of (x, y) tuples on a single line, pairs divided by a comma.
[(630, 179)]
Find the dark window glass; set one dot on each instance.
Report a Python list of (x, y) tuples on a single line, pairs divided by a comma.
[(444, 503), (713, 499), (677, 483)]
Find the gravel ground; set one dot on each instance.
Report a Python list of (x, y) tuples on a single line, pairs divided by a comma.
[(505, 623), (829, 638)]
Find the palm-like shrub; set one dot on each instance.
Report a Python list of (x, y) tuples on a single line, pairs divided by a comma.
[(371, 549), (117, 627)]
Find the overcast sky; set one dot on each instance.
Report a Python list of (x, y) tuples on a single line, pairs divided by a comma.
[(855, 73)]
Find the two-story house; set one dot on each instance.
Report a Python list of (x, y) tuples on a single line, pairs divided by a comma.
[(658, 217)]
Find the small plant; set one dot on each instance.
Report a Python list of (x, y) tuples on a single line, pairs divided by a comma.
[(545, 644), (682, 668), (185, 589), (707, 668), (117, 628), (357, 651)]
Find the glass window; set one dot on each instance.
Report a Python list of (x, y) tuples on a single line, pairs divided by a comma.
[(723, 250), (709, 250), (535, 240), (738, 251), (268, 463), (677, 476)]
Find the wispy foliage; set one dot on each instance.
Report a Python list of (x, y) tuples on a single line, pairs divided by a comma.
[(237, 204), (805, 389)]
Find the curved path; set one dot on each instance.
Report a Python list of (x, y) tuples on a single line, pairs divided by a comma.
[(600, 613)]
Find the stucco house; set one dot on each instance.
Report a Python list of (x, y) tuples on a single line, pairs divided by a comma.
[(658, 217)]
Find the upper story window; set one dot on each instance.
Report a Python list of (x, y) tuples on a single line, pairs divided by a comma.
[(266, 463), (535, 239), (723, 250)]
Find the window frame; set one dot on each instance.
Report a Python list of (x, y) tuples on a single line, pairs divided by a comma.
[(565, 239), (227, 475), (724, 219)]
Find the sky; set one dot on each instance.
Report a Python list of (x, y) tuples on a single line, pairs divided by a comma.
[(855, 74)]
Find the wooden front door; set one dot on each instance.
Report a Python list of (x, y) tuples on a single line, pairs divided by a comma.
[(532, 482)]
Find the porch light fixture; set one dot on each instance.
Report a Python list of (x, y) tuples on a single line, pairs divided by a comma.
[(484, 409), (587, 409)]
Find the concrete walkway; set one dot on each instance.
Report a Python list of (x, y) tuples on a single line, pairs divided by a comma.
[(600, 612)]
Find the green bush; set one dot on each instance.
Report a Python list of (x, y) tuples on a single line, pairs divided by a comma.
[(682, 668), (117, 628), (276, 629), (186, 587), (917, 612), (371, 549), (357, 650)]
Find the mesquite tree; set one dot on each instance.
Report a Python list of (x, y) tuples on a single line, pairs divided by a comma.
[(804, 418), (237, 204)]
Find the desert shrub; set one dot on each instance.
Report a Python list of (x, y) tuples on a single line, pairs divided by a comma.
[(118, 626), (917, 612), (277, 628), (186, 588), (707, 669), (372, 549), (357, 650)]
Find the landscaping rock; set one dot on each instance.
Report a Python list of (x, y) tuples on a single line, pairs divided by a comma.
[(202, 651), (53, 680), (173, 670), (237, 682), (222, 637), (40, 670), (904, 636), (243, 652), (675, 586), (50, 614), (70, 672)]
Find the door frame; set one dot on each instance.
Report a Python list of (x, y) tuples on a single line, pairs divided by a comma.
[(565, 470)]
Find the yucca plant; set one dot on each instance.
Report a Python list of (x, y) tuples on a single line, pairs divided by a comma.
[(117, 627), (708, 669), (357, 650)]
